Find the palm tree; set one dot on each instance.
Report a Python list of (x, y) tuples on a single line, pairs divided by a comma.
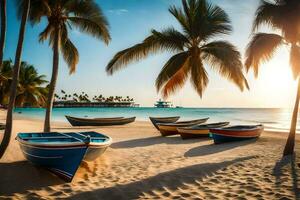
[(13, 89), (5, 81), (3, 29), (85, 15), (263, 45), (31, 91), (193, 46)]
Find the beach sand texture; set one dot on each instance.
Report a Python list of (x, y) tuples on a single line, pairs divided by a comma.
[(142, 165)]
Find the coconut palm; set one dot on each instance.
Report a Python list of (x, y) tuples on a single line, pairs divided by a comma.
[(3, 29), (5, 81), (15, 76), (62, 16), (193, 47), (31, 91), (263, 45)]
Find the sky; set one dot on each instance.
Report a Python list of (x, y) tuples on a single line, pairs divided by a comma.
[(130, 22)]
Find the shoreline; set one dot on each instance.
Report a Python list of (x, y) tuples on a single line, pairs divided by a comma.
[(19, 117), (140, 164)]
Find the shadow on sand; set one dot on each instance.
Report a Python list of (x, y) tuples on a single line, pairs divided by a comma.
[(212, 148), (143, 142), (12, 174), (277, 172), (170, 180)]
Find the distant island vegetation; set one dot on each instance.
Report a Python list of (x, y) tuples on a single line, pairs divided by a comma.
[(82, 99), (33, 89)]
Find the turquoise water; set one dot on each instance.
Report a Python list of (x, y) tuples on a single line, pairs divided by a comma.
[(272, 118)]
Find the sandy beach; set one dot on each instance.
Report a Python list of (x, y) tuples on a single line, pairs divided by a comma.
[(142, 165)]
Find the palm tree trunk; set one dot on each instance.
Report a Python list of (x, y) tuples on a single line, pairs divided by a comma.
[(47, 127), (3, 30), (13, 88), (289, 147)]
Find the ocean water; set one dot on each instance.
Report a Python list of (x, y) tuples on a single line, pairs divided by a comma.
[(273, 118)]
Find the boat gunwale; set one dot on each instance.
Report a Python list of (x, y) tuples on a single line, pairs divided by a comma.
[(106, 142), (255, 127), (194, 127), (100, 120), (97, 118), (184, 123), (164, 118)]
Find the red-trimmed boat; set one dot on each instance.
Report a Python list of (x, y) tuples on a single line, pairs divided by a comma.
[(62, 153), (236, 133), (199, 131), (167, 129)]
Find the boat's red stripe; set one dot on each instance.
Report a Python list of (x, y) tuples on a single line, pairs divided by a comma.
[(237, 133)]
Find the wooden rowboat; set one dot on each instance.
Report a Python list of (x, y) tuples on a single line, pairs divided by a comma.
[(236, 133), (62, 153), (167, 129), (75, 121), (156, 120), (197, 131)]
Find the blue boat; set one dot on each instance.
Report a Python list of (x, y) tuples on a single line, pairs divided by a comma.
[(62, 153)]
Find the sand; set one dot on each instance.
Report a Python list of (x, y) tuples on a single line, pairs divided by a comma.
[(142, 165)]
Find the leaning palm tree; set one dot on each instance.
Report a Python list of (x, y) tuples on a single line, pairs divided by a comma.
[(193, 47), (263, 45), (3, 29), (15, 76), (62, 16)]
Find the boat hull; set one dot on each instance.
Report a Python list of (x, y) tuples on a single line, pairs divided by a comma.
[(74, 121), (218, 138), (199, 131), (62, 153), (64, 161), (94, 152), (191, 134), (231, 135), (156, 120), (169, 129)]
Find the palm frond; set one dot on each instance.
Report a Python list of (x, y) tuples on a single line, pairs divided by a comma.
[(89, 18), (265, 14), (176, 81), (226, 59), (169, 40), (295, 60), (90, 26), (261, 49), (211, 21), (70, 54), (46, 32), (173, 65), (181, 18), (199, 77)]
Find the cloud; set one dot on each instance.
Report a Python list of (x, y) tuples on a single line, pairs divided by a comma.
[(118, 11)]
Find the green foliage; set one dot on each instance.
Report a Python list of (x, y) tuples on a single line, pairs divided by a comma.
[(193, 47), (85, 15), (30, 91), (83, 97)]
